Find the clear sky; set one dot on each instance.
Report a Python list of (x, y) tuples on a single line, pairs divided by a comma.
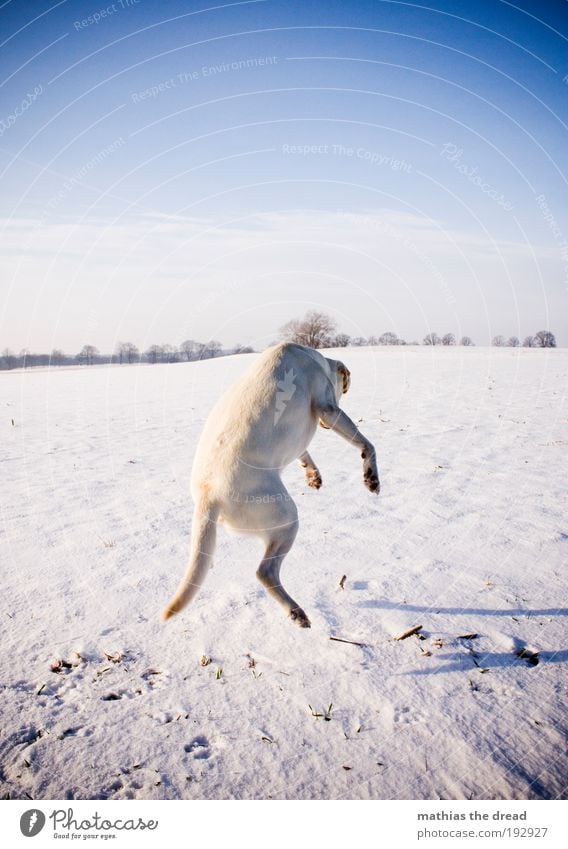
[(174, 170)]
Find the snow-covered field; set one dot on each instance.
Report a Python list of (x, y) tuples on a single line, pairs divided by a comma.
[(99, 699)]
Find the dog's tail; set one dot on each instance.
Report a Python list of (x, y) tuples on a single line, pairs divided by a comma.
[(203, 536)]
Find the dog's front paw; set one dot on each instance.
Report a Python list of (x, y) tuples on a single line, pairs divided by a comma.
[(298, 616), (371, 480), (314, 479)]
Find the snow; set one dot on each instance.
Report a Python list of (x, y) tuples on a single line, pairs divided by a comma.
[(467, 537)]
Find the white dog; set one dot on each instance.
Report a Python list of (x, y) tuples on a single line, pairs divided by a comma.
[(263, 423)]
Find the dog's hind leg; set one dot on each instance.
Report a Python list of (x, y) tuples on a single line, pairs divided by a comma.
[(313, 476), (268, 573), (280, 533)]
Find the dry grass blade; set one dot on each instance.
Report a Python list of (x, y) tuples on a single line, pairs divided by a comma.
[(350, 642)]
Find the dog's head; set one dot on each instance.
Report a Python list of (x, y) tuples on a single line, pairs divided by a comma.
[(343, 379)]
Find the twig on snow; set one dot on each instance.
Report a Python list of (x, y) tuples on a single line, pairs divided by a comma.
[(351, 642), (409, 633)]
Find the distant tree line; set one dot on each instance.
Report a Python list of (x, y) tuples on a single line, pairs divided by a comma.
[(315, 329), (319, 330), (542, 339), (126, 352)]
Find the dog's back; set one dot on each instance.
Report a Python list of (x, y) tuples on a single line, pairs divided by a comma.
[(250, 424)]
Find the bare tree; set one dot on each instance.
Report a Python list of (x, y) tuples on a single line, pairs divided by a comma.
[(169, 354), (314, 330), (210, 349), (342, 340), (545, 339), (431, 339), (467, 341), (190, 349), (154, 353), (388, 338), (512, 342), (131, 352), (529, 342), (358, 341), (87, 354), (449, 339), (242, 349), (127, 351), (498, 341), (8, 359), (57, 357)]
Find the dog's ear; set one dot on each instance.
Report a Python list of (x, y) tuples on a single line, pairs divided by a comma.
[(346, 375)]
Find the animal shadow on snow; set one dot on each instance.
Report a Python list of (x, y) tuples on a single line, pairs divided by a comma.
[(454, 661), (384, 604)]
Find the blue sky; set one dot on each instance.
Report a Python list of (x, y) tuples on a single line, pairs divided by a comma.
[(175, 170)]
